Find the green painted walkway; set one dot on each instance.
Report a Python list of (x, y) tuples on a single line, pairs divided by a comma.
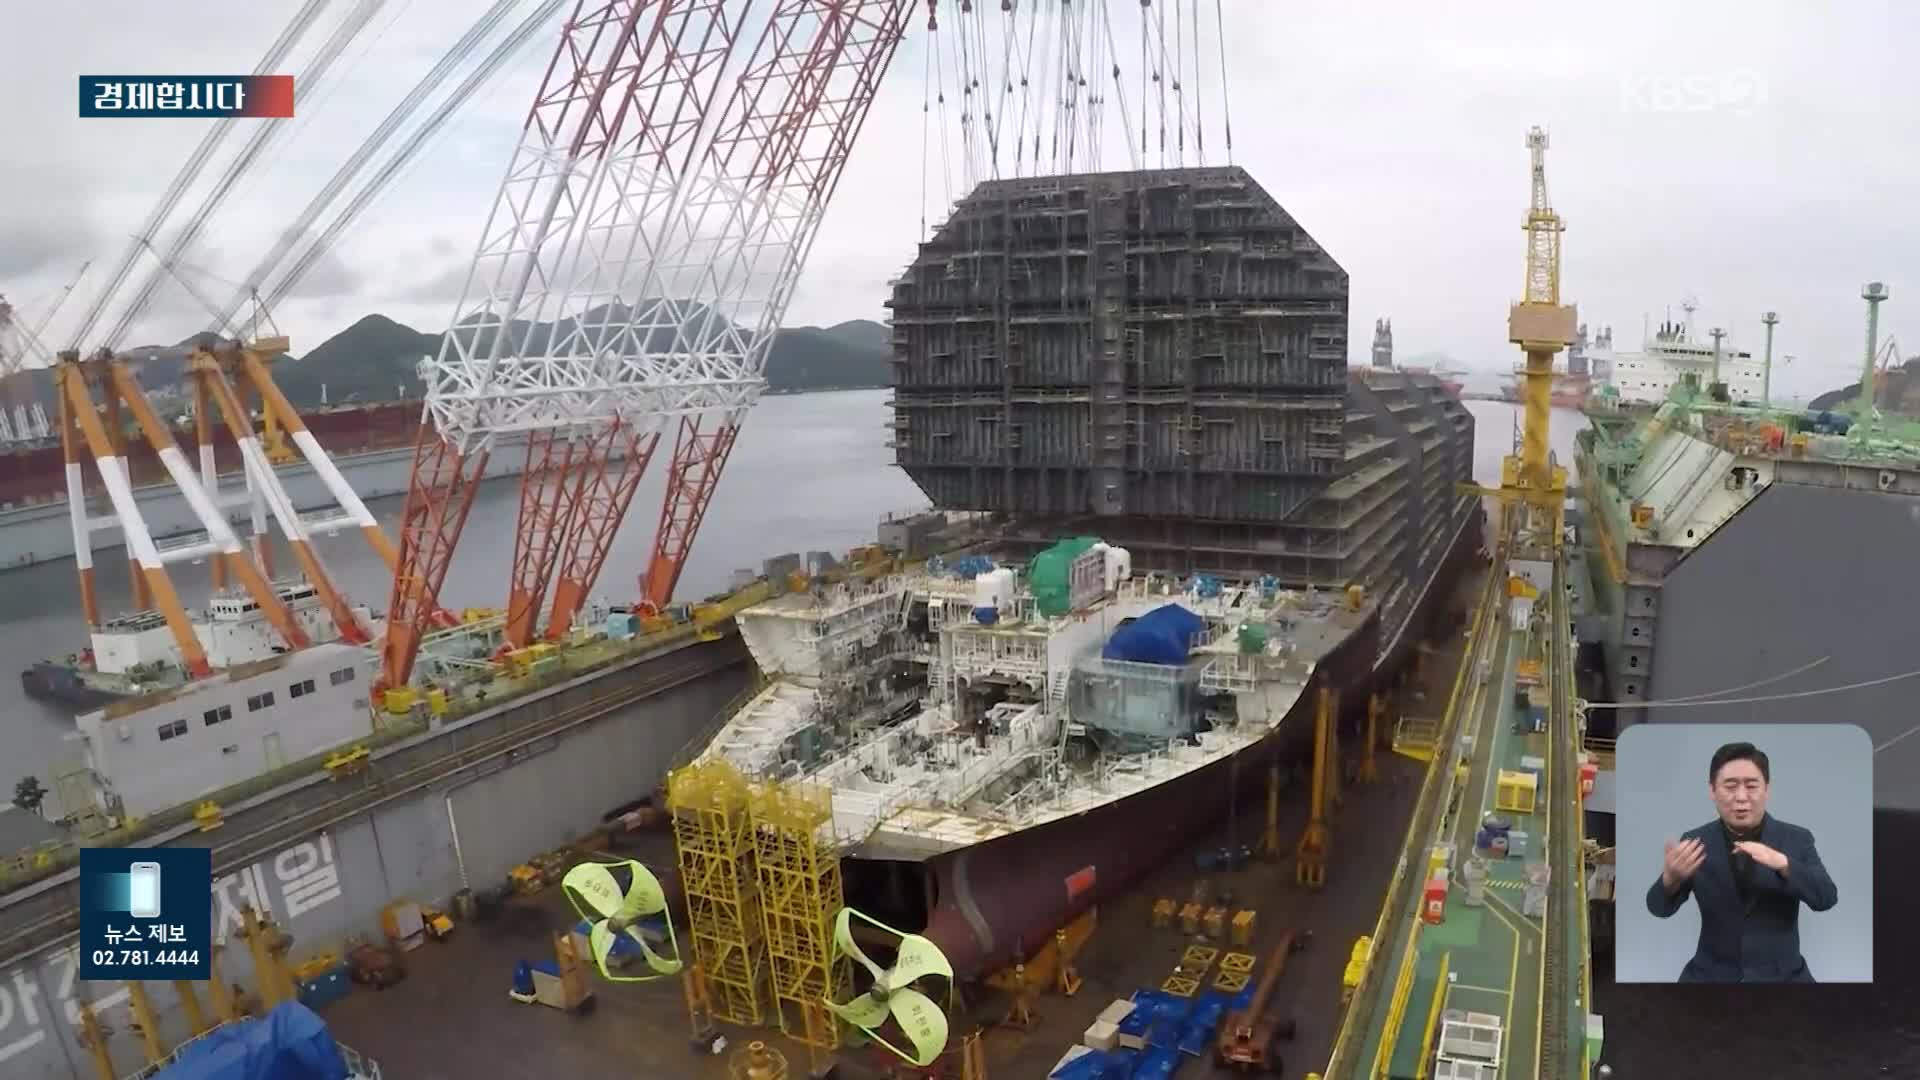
[(1492, 951)]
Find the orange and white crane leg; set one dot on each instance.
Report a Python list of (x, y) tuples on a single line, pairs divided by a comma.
[(438, 499), (209, 464), (132, 527), (550, 487), (219, 533), (280, 408), (282, 508), (117, 438), (70, 440)]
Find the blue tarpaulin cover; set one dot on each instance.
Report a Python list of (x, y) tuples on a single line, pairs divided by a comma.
[(1161, 636), (289, 1043)]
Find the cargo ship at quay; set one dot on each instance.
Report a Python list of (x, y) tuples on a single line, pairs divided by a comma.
[(1686, 511), (1022, 699)]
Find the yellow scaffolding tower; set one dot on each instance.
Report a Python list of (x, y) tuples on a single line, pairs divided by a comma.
[(713, 834), (799, 867)]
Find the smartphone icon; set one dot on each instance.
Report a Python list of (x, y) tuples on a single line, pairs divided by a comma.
[(143, 900)]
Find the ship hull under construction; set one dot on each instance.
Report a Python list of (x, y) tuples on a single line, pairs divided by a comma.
[(993, 903)]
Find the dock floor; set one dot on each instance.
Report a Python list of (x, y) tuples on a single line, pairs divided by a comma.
[(451, 1018)]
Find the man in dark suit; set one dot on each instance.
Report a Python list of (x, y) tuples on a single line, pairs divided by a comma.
[(1748, 872)]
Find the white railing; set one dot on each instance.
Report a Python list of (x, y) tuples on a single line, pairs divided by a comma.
[(1231, 673), (1020, 655), (1026, 732), (850, 611)]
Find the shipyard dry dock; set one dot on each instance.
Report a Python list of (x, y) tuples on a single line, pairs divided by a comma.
[(452, 1016), (452, 808), (1181, 394), (324, 863)]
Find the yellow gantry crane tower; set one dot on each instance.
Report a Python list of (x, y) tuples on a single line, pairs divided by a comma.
[(1531, 485)]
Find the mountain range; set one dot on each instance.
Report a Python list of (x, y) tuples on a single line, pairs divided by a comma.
[(376, 359), (1899, 393)]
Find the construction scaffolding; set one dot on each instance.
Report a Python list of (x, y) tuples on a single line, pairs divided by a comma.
[(1165, 343), (798, 866), (714, 836), (1159, 358)]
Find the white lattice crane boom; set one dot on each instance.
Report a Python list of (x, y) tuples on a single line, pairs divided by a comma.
[(778, 157), (592, 231), (483, 381)]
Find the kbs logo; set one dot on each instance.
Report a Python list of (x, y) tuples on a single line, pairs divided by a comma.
[(1738, 92)]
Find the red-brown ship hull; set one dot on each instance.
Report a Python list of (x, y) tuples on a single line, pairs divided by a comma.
[(38, 474), (991, 903)]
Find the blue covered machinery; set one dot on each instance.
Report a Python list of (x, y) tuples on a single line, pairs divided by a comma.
[(1141, 686), (1164, 635), (289, 1043)]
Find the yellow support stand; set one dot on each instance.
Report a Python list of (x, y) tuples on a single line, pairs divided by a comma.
[(713, 834), (1068, 977), (973, 1058), (1270, 841), (1021, 1014), (1310, 866), (798, 868), (219, 992), (145, 1023), (268, 947), (93, 1038), (1376, 713), (190, 1004)]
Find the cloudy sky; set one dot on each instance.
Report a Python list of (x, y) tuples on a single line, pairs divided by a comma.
[(1753, 155)]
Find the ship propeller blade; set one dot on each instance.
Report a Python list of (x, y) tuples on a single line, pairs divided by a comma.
[(924, 1023), (865, 1012), (918, 957), (843, 939), (919, 1019), (597, 896)]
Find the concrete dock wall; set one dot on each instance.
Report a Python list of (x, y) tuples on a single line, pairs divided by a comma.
[(328, 884)]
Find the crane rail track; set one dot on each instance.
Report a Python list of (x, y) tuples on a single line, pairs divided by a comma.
[(1561, 983), (1398, 911), (680, 668)]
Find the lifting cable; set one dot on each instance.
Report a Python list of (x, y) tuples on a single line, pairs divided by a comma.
[(408, 153), (298, 229), (190, 171), (1226, 108), (315, 75)]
